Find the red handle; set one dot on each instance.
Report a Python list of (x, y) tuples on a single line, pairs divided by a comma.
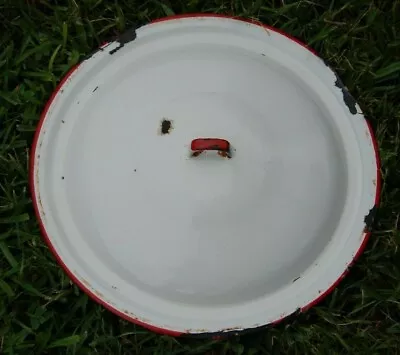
[(210, 144), (199, 145)]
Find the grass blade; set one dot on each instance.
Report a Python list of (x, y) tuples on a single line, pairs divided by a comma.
[(388, 70), (65, 342), (7, 254)]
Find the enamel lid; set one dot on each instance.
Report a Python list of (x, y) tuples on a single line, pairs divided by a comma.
[(204, 174)]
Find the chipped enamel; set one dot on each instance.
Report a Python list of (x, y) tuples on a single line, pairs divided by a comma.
[(207, 244)]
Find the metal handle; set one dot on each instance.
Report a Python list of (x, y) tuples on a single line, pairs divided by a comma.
[(222, 146)]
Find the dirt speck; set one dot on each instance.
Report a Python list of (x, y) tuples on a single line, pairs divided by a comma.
[(62, 121), (62, 177)]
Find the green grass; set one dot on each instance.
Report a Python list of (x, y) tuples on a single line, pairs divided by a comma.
[(41, 312)]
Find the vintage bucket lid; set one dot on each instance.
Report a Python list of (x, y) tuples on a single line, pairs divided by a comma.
[(145, 216)]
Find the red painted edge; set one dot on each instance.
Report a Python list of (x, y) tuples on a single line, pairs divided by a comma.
[(96, 298), (366, 236)]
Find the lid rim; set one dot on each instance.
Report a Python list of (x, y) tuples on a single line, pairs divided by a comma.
[(98, 299)]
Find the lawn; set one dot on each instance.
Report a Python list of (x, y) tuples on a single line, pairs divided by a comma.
[(42, 312)]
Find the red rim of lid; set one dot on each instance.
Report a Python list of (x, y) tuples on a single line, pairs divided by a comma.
[(96, 298)]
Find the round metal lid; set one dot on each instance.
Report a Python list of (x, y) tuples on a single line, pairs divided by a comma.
[(204, 174)]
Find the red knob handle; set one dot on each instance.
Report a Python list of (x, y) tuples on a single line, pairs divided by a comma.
[(201, 144), (210, 144)]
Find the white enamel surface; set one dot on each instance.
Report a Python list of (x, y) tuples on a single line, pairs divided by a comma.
[(204, 244)]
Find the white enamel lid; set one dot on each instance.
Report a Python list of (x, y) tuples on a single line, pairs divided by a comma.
[(204, 243)]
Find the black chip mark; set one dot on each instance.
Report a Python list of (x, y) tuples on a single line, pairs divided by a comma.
[(123, 39), (369, 219), (166, 126)]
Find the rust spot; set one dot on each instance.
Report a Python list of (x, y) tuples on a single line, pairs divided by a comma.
[(166, 126), (86, 283), (256, 21), (196, 330), (41, 205), (98, 293), (231, 329), (197, 153), (224, 154), (221, 153), (143, 320), (219, 334)]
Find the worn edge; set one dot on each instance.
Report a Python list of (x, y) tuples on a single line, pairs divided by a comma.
[(215, 335)]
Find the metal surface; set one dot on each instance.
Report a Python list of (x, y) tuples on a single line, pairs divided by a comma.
[(202, 246)]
